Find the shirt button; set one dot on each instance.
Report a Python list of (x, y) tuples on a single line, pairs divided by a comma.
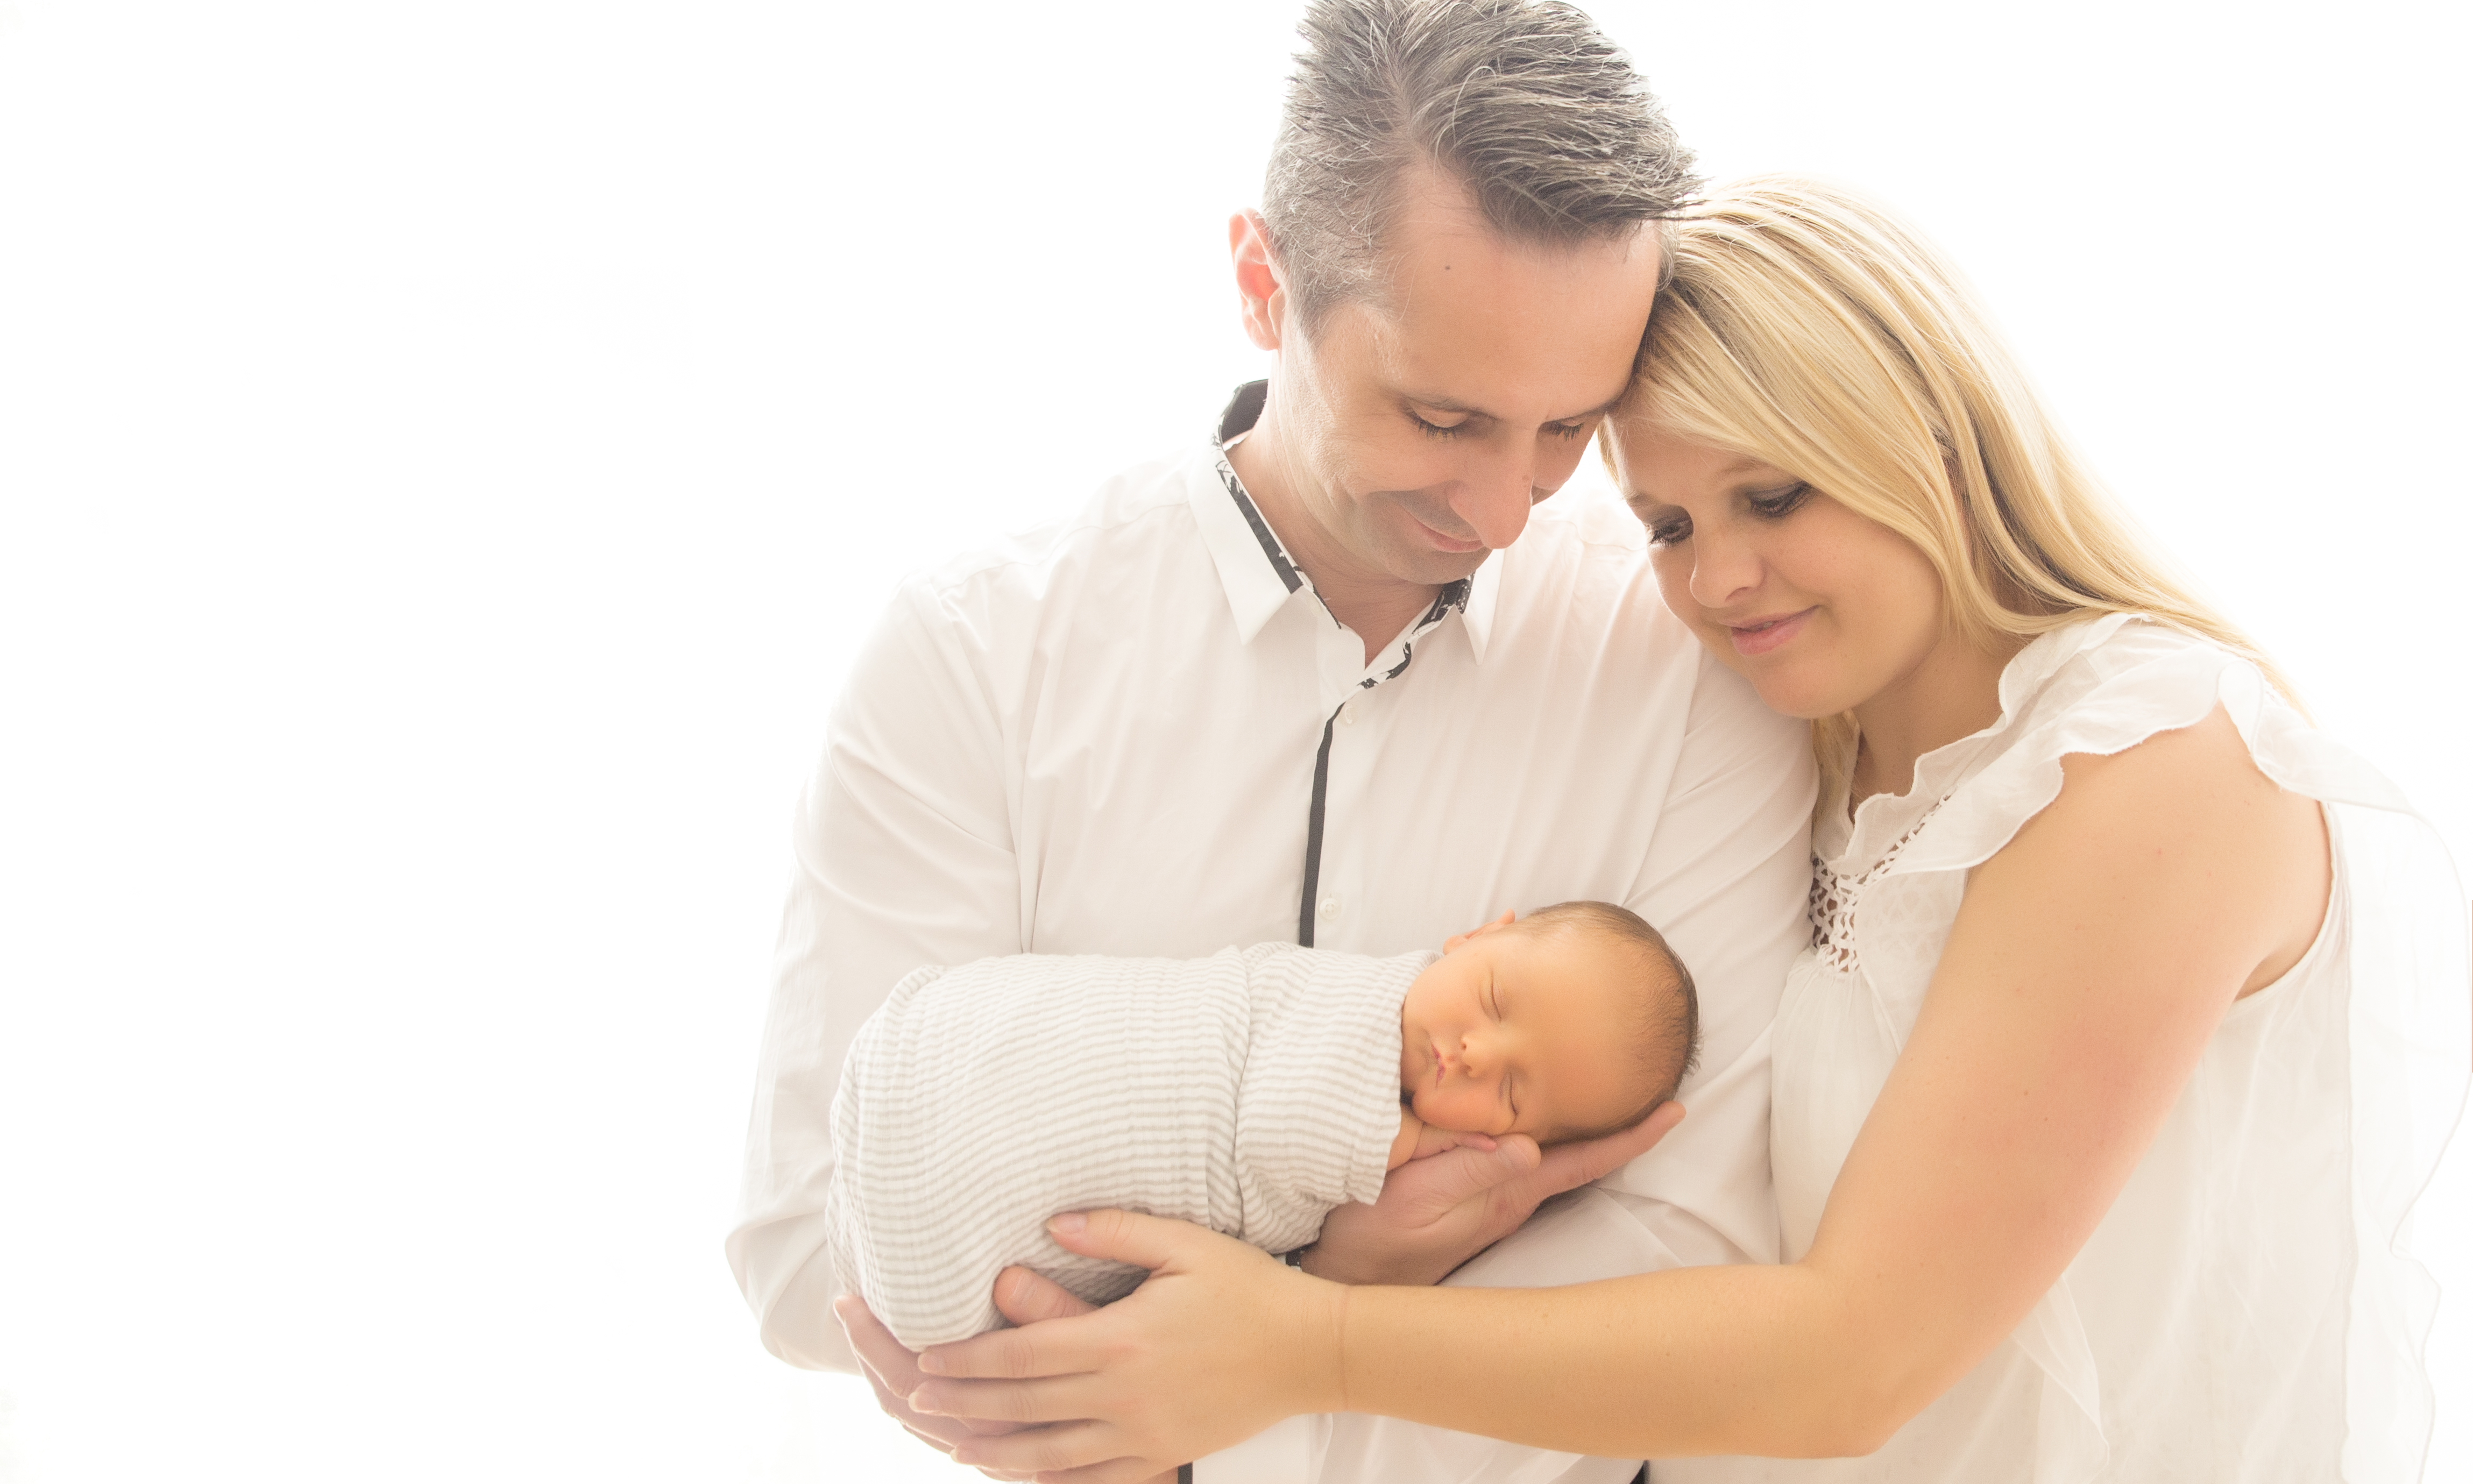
[(1348, 716), (1330, 908)]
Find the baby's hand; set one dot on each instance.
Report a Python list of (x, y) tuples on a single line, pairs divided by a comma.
[(1418, 1139)]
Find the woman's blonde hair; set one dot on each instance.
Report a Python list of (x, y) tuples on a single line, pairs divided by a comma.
[(1813, 330)]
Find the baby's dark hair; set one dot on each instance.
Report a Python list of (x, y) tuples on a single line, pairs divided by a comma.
[(1664, 1027)]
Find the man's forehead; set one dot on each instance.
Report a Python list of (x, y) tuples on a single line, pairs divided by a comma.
[(1431, 259), (1493, 363)]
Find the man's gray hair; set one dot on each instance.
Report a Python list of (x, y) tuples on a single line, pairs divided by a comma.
[(1522, 102)]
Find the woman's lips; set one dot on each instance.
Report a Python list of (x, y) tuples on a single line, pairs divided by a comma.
[(1762, 636)]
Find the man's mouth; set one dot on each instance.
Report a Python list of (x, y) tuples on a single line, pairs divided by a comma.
[(1457, 545)]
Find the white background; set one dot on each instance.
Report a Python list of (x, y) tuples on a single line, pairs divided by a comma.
[(450, 451)]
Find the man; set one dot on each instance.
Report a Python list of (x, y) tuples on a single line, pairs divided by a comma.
[(1327, 677)]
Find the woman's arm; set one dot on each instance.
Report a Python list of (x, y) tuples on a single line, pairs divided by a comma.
[(2091, 961)]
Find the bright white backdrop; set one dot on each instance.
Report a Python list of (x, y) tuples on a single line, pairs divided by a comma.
[(449, 452)]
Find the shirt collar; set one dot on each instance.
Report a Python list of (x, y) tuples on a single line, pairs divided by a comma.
[(1256, 570), (1479, 593), (1253, 569)]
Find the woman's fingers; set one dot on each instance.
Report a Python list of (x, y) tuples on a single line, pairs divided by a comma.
[(1063, 1399), (1025, 1298), (1122, 1237), (1058, 1346), (1217, 1343), (1068, 1344), (891, 1370)]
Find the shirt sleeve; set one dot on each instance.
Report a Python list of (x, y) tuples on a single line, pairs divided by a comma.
[(1728, 870), (903, 856)]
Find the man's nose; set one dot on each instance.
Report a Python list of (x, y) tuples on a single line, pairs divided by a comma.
[(1494, 500)]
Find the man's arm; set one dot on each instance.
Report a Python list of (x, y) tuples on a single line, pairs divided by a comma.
[(904, 858), (1728, 871)]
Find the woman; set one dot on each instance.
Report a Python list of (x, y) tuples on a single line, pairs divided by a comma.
[(2133, 1021)]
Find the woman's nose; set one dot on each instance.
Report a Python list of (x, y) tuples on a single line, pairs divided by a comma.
[(1725, 568)]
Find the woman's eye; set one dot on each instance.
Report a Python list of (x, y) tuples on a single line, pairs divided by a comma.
[(1772, 506), (1665, 533), (1567, 431), (1438, 429)]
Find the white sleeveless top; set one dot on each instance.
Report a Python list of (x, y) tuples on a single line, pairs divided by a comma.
[(2246, 1310)]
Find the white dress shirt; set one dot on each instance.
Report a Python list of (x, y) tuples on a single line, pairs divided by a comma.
[(1127, 733)]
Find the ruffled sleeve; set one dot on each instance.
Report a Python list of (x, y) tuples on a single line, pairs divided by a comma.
[(2106, 686)]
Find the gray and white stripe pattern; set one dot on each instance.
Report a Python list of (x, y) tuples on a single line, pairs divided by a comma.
[(1250, 1091)]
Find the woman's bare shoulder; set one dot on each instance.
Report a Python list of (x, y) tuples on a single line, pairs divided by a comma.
[(2188, 812)]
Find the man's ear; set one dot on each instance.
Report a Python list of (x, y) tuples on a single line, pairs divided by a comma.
[(1452, 943), (1260, 291)]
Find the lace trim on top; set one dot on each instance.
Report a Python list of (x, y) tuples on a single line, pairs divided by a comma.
[(1832, 906)]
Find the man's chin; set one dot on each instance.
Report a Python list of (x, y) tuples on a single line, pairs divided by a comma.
[(1427, 567)]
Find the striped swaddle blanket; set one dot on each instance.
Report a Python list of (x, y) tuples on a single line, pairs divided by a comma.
[(1250, 1091)]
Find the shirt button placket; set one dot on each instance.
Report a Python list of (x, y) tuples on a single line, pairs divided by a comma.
[(1340, 902)]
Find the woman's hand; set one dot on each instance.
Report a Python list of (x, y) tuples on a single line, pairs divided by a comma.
[(1220, 1342), (1023, 1296)]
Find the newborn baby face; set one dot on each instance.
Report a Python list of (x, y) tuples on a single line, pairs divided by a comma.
[(1518, 1030)]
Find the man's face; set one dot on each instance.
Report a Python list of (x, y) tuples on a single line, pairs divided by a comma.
[(1419, 430)]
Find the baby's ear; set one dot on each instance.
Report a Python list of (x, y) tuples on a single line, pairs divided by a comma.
[(1452, 943)]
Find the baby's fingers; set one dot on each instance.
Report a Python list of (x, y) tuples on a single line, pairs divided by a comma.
[(1432, 1140)]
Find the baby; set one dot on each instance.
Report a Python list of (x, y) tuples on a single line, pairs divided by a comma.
[(1250, 1091)]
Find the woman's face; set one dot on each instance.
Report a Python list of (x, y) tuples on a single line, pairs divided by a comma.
[(1820, 608)]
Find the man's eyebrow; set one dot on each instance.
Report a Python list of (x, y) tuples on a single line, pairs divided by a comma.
[(1454, 404), (1442, 403)]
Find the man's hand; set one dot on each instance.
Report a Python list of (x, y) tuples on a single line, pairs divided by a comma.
[(1021, 1295), (1436, 1212)]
